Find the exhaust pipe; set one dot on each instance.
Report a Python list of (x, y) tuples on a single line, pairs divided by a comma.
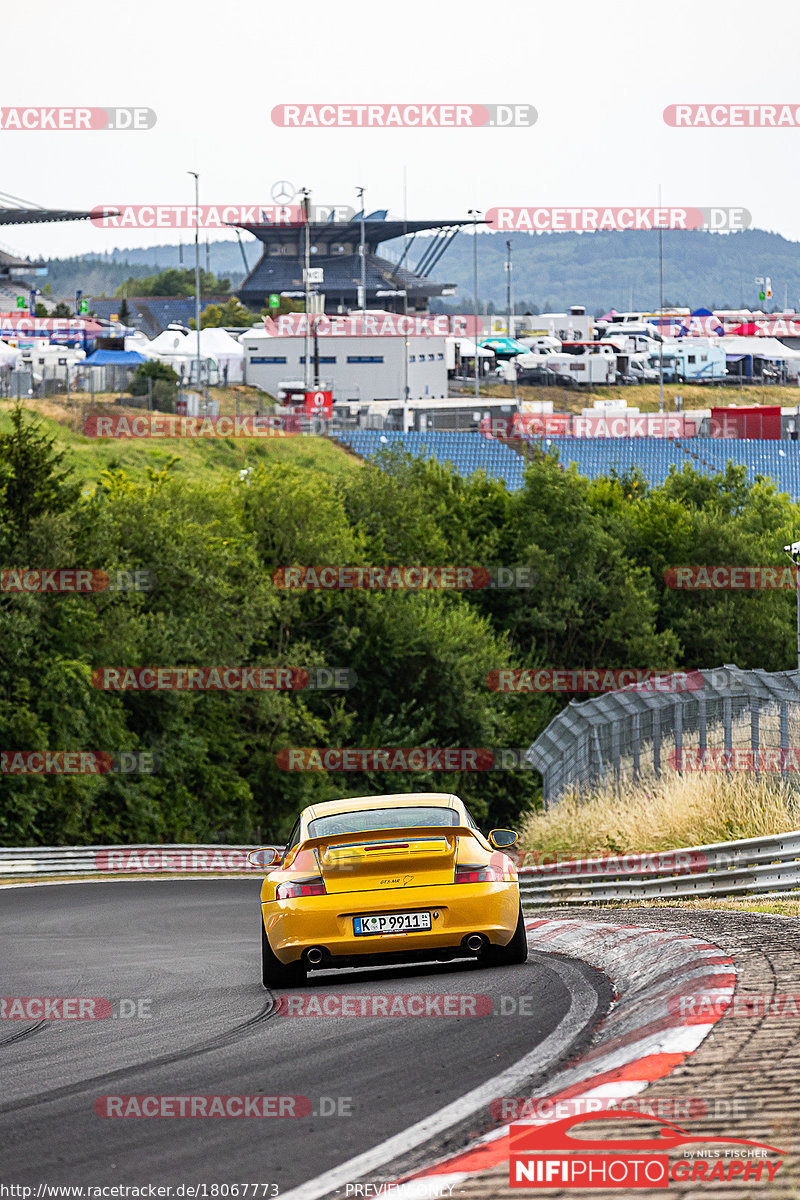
[(475, 943), (314, 956)]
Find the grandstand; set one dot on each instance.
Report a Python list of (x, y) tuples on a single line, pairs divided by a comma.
[(778, 460), (468, 452), (593, 457), (334, 246)]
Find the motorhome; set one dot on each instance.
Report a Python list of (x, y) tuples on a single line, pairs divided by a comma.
[(576, 323), (629, 319), (48, 361), (634, 339), (689, 359), (585, 363)]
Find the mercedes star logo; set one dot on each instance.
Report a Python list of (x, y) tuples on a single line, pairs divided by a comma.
[(283, 191)]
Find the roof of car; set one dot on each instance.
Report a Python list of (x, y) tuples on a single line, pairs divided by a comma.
[(397, 800)]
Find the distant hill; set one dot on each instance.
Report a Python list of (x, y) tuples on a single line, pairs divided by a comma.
[(551, 271), (620, 270)]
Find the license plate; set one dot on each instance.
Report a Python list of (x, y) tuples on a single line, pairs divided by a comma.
[(391, 923)]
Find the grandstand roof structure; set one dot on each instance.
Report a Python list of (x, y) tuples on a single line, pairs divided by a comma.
[(14, 211), (13, 267), (335, 246), (39, 216)]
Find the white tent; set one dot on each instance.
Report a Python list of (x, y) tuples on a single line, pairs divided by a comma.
[(467, 348), (224, 349), (139, 342), (761, 347), (736, 346), (170, 343), (8, 355)]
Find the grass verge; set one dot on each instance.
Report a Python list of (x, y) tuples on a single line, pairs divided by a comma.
[(664, 814), (198, 460)]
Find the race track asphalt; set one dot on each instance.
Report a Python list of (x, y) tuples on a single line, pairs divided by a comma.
[(184, 955)]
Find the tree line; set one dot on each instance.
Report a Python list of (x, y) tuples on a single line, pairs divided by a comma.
[(595, 555)]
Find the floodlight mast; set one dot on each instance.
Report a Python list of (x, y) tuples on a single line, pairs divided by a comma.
[(197, 269), (306, 272)]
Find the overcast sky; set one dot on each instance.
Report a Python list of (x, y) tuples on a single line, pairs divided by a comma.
[(599, 76)]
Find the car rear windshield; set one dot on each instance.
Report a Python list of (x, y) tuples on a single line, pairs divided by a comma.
[(369, 819)]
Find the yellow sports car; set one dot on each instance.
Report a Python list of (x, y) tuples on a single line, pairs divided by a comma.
[(382, 879)]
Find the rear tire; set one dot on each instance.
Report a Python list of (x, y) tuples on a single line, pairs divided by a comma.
[(274, 973), (515, 952)]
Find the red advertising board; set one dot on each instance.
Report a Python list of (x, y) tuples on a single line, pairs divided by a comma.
[(319, 404), (753, 421)]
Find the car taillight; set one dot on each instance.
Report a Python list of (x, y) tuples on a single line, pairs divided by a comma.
[(478, 875), (303, 887)]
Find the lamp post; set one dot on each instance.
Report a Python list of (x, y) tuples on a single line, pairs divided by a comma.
[(475, 212), (306, 270), (660, 307), (509, 329), (197, 268), (510, 319), (362, 253)]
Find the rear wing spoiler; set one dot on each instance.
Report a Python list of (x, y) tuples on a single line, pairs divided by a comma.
[(415, 832)]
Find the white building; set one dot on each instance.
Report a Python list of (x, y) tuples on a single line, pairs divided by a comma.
[(361, 370)]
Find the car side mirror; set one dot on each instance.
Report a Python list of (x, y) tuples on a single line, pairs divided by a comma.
[(264, 856), (502, 839)]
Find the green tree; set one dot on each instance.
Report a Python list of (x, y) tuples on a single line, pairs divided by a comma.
[(154, 370), (173, 282), (33, 479), (233, 312)]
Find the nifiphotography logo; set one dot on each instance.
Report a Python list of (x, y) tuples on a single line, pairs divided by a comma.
[(549, 1156)]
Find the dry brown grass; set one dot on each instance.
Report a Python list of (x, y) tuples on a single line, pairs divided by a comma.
[(646, 396), (776, 907), (664, 814)]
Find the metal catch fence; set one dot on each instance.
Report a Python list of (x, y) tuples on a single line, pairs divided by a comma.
[(725, 719)]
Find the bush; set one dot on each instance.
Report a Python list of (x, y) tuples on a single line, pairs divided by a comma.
[(155, 370), (164, 394)]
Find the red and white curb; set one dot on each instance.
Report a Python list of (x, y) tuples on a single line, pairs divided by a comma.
[(643, 1039)]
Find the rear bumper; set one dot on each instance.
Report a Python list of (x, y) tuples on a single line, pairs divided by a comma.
[(327, 922)]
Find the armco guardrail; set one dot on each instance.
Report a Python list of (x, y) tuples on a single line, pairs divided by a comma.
[(753, 865), (115, 861)]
